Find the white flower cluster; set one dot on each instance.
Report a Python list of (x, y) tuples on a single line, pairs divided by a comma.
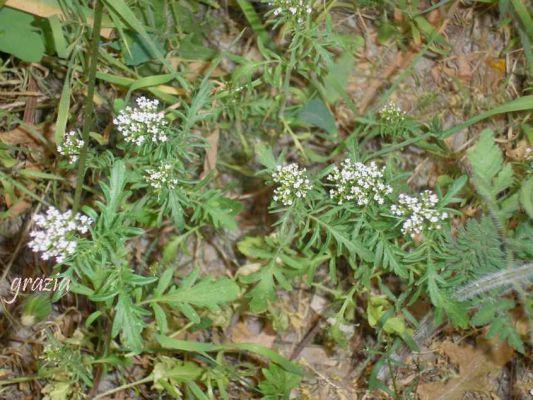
[(292, 182), (295, 8), (71, 146), (392, 113), (56, 233), (162, 176), (143, 123), (358, 182), (420, 213)]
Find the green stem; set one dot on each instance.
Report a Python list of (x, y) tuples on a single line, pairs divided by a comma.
[(149, 378), (89, 105)]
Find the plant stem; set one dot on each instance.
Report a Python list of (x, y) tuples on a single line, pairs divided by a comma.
[(89, 105), (149, 378)]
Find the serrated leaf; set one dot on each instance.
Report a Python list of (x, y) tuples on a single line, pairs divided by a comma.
[(207, 293), (263, 292), (222, 211), (526, 196), (165, 280), (485, 157), (504, 179), (265, 156), (160, 318), (254, 247), (128, 323), (485, 314)]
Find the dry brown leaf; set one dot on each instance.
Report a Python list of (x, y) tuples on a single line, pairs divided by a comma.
[(520, 152), (17, 209), (498, 64), (317, 355), (16, 136), (44, 9), (241, 334), (478, 367), (211, 152), (464, 71)]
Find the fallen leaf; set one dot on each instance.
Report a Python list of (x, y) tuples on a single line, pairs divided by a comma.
[(498, 64), (464, 71), (47, 9), (241, 334), (478, 367), (211, 152), (17, 136), (317, 355), (17, 209)]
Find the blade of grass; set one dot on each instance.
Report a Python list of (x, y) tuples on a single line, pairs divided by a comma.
[(524, 103), (254, 21), (89, 104), (63, 108), (121, 9), (148, 81), (163, 92), (184, 345), (524, 16)]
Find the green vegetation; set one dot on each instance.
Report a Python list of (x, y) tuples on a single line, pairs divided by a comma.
[(172, 125)]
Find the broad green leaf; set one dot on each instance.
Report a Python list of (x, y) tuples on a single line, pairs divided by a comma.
[(316, 113), (135, 51), (336, 80), (19, 37)]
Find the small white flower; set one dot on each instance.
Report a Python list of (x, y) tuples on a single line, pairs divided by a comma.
[(292, 182), (359, 183), (162, 176), (71, 146), (420, 213), (294, 9), (143, 123), (56, 233), (392, 113)]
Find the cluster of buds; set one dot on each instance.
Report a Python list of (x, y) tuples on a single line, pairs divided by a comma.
[(293, 184), (56, 233), (71, 146), (297, 9), (162, 176), (392, 113), (420, 213), (143, 123), (355, 181)]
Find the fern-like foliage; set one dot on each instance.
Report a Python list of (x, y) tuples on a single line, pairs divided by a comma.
[(473, 275), (476, 251)]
